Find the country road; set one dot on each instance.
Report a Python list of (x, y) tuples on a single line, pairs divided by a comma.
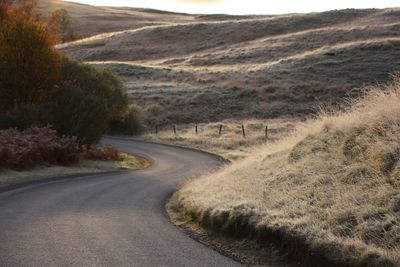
[(113, 219)]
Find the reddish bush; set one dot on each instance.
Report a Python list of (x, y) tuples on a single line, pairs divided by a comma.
[(36, 146), (102, 153)]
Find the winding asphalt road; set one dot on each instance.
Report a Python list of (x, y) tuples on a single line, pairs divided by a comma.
[(115, 219)]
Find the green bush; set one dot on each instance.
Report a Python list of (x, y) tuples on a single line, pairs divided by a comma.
[(97, 82), (86, 101), (89, 98), (129, 124), (79, 114), (25, 116)]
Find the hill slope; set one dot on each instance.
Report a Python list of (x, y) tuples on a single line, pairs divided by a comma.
[(91, 20), (329, 194), (241, 67)]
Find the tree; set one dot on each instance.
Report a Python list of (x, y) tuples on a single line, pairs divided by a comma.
[(89, 99), (4, 7), (29, 65), (38, 86), (60, 21), (21, 9)]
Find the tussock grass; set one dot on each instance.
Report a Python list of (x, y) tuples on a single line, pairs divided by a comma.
[(330, 193)]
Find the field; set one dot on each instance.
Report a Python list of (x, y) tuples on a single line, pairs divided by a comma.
[(330, 190), (247, 67)]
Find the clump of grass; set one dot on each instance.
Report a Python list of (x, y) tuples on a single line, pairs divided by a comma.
[(330, 192)]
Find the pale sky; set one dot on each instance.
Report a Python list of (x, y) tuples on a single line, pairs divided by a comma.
[(246, 6)]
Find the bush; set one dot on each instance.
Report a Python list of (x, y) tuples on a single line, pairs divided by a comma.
[(86, 101), (97, 82), (36, 146), (129, 124), (89, 98), (25, 116), (79, 114), (102, 153)]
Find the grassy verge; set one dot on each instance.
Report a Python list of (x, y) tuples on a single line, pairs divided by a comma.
[(230, 144), (328, 195), (10, 177)]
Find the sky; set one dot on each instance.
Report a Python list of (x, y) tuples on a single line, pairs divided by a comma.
[(242, 7)]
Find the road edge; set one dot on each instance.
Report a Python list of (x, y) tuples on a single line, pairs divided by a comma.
[(59, 178), (218, 157), (70, 176)]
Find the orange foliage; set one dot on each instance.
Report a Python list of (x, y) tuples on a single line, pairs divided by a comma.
[(102, 153), (30, 67)]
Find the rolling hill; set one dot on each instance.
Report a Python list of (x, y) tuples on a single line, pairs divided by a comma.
[(220, 67)]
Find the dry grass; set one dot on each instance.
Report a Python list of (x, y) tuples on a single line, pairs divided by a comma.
[(249, 67), (231, 144), (91, 20), (10, 177), (332, 189)]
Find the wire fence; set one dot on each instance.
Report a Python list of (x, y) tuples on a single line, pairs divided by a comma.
[(219, 130)]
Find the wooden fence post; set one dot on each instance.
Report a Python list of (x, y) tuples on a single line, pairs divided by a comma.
[(174, 129), (243, 131), (220, 130), (266, 132), (196, 128)]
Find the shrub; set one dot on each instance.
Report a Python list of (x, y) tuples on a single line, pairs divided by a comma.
[(97, 82), (89, 98), (25, 116), (129, 124), (36, 146), (102, 153), (86, 101), (79, 114)]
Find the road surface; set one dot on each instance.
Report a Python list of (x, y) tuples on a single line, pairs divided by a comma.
[(113, 219)]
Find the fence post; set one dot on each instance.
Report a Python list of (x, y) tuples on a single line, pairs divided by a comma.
[(266, 132), (196, 128), (174, 129), (243, 131), (220, 130)]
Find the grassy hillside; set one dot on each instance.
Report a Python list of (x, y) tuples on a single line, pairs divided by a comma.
[(329, 194), (224, 67), (91, 20)]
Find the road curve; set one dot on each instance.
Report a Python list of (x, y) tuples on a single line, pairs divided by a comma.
[(106, 219)]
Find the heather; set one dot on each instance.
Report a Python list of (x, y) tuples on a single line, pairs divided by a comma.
[(21, 150)]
